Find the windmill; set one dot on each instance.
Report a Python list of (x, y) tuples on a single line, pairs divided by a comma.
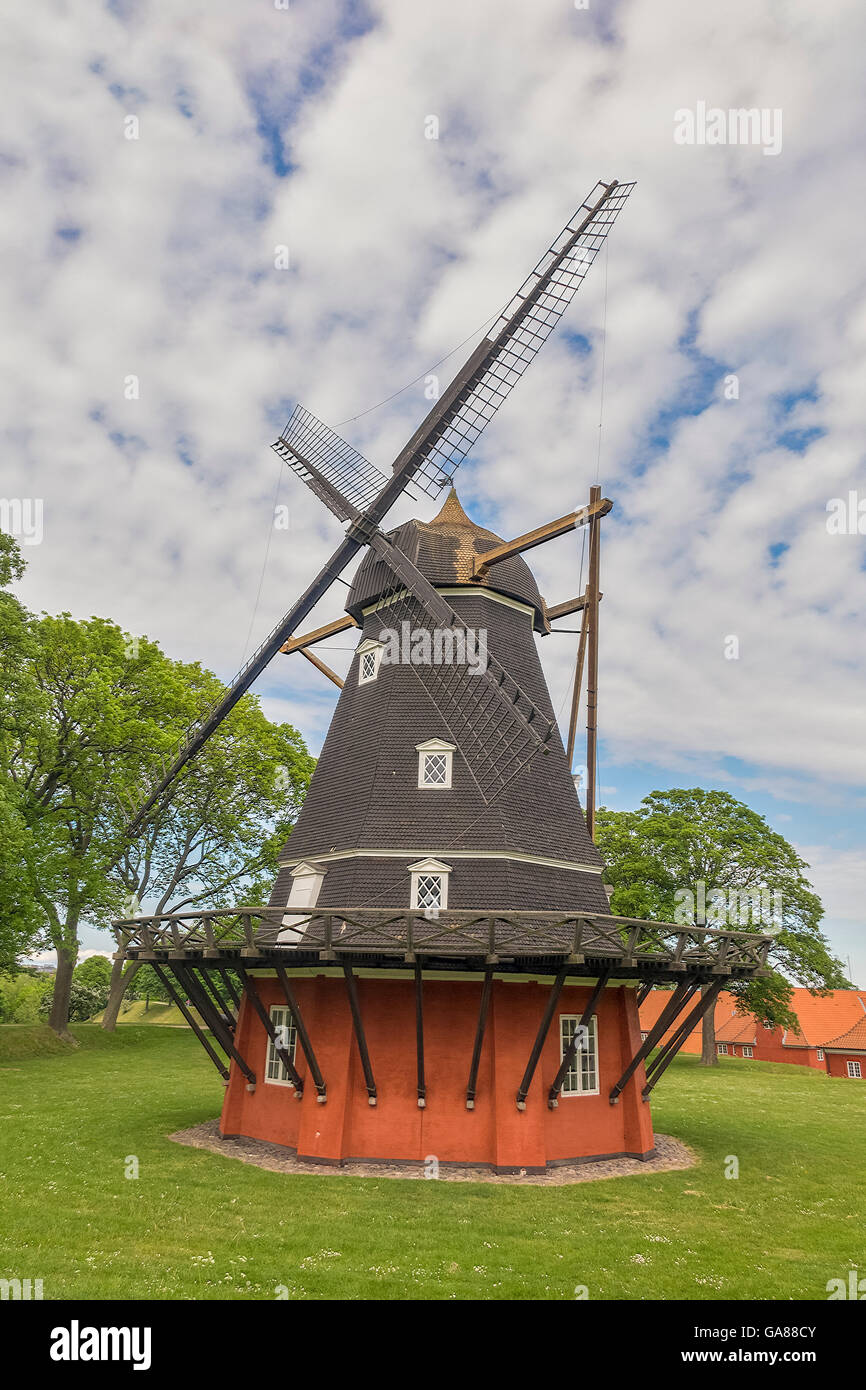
[(441, 845), (360, 496)]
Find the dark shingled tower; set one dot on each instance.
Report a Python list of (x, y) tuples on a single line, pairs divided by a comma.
[(366, 820)]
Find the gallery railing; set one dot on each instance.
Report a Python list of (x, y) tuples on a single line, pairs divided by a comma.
[(488, 936)]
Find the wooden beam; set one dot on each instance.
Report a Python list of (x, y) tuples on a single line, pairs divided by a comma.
[(678, 1000), (572, 605), (472, 1085), (571, 1050), (540, 1038), (199, 1032), (592, 663), (320, 665), (360, 1035), (294, 1010), (575, 691), (307, 639), (208, 1012), (419, 1037), (266, 1022), (598, 507), (662, 1062)]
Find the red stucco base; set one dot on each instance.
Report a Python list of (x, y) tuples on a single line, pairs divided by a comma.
[(495, 1133)]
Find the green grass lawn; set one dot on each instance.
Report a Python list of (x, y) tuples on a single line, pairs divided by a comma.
[(140, 1011), (195, 1225)]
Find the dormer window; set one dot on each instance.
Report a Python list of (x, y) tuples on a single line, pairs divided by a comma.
[(429, 885), (307, 880), (434, 763), (369, 659)]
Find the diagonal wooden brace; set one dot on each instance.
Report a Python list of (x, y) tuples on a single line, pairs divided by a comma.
[(541, 1037), (697, 1013), (472, 1084), (165, 980), (266, 1022), (678, 1001), (306, 1045), (571, 1050)]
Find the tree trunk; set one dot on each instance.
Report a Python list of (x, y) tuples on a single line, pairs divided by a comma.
[(120, 982), (58, 1020), (709, 1055)]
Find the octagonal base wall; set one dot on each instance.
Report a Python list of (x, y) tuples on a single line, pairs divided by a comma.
[(495, 1134)]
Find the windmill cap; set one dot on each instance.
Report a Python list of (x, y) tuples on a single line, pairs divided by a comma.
[(446, 550)]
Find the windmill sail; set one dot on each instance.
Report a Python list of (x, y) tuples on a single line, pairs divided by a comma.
[(340, 477), (443, 440)]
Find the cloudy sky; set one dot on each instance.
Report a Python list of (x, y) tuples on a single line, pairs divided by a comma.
[(161, 163)]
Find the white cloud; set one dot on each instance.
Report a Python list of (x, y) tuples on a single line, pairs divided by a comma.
[(723, 261)]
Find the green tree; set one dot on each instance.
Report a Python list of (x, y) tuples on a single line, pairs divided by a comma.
[(19, 914), (21, 995), (666, 858), (89, 718)]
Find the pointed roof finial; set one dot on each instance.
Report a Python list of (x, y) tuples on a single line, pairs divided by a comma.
[(451, 514)]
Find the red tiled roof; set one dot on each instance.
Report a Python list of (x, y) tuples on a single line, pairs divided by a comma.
[(739, 1028), (820, 1017), (852, 1041), (824, 1016)]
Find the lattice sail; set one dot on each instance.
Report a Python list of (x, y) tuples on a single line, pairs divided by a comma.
[(341, 477), (500, 359), (496, 726)]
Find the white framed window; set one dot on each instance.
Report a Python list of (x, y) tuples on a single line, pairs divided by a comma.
[(643, 1036), (435, 759), (307, 880), (820, 1054), (369, 660), (429, 890), (854, 1070), (722, 1049), (748, 1051), (581, 1079), (284, 1027)]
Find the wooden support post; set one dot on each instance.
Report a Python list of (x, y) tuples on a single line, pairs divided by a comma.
[(205, 1007), (295, 644), (540, 1038), (224, 1011), (360, 1037), (662, 1063), (571, 1050), (680, 997), (229, 984), (472, 1085), (592, 663), (644, 992), (419, 1037), (193, 1023), (266, 1022), (307, 1046), (578, 682), (320, 666), (596, 509), (676, 1039)]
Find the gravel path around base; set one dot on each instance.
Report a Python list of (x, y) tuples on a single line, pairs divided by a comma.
[(670, 1154)]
